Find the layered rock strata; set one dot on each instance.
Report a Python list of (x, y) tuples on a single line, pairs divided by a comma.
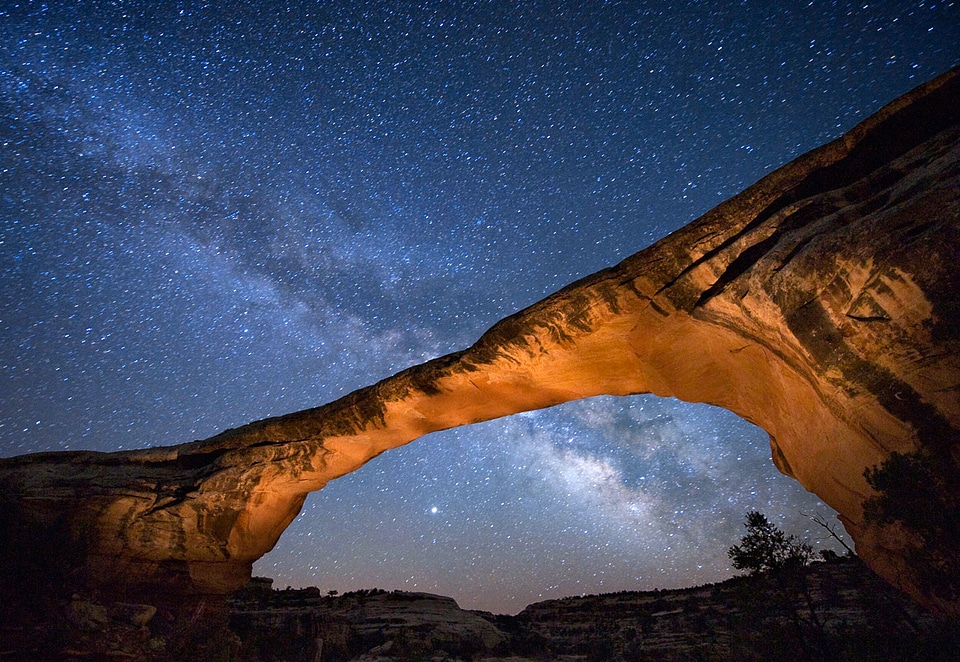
[(820, 304)]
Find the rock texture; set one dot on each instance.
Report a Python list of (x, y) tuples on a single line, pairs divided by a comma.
[(365, 626), (820, 304), (836, 610)]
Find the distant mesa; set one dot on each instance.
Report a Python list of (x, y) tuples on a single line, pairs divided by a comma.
[(821, 304)]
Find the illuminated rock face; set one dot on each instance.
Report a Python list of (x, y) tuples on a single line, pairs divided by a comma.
[(820, 304)]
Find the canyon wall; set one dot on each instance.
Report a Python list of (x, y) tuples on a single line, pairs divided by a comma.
[(820, 304)]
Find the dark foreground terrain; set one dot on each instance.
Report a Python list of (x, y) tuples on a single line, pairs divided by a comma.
[(834, 610)]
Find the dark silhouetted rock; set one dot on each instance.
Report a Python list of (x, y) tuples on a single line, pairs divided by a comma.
[(850, 614)]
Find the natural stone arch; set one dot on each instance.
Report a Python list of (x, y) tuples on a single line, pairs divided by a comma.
[(633, 485), (819, 304)]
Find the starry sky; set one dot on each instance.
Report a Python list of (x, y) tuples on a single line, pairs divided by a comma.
[(213, 213)]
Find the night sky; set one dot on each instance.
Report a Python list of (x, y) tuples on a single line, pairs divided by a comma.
[(215, 213)]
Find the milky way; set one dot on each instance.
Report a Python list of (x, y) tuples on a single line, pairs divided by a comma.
[(214, 214)]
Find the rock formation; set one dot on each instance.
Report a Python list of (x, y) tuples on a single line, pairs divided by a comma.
[(820, 304), (851, 615)]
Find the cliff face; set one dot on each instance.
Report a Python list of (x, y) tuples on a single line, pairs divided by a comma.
[(836, 610), (820, 304), (745, 618)]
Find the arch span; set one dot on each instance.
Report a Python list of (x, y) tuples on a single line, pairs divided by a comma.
[(819, 304)]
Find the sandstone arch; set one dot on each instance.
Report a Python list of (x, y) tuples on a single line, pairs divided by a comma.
[(820, 304)]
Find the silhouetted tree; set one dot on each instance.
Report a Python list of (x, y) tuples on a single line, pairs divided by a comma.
[(767, 550), (830, 528), (766, 547), (919, 491)]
